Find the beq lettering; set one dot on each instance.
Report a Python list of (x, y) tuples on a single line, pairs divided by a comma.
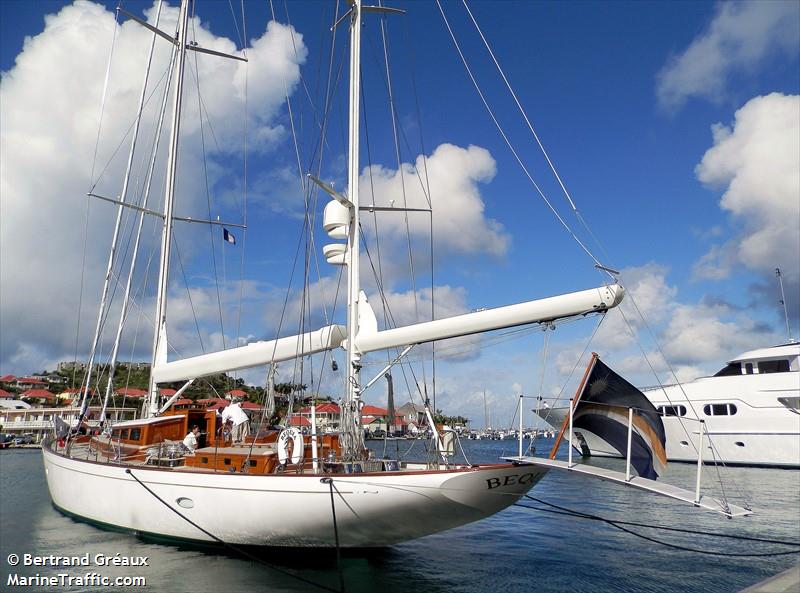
[(510, 480)]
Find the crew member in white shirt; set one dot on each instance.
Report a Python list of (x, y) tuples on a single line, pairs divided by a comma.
[(190, 440), (240, 421)]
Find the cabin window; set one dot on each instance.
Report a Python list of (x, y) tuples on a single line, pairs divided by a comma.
[(719, 409), (123, 434), (773, 366), (227, 461), (204, 460), (733, 368), (253, 462), (748, 368), (136, 433), (672, 410)]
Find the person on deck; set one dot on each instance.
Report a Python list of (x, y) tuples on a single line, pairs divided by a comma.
[(240, 421), (190, 440)]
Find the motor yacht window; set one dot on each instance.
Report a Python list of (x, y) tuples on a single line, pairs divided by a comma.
[(748, 368), (136, 433), (719, 409), (672, 410), (773, 366), (733, 368)]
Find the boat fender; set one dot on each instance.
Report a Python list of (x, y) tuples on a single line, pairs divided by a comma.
[(293, 436)]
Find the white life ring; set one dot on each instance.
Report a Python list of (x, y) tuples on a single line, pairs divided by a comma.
[(296, 438)]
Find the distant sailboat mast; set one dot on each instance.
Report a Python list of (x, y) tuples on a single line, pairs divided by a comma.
[(783, 302)]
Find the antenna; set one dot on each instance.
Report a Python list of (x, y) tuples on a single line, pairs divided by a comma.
[(782, 301)]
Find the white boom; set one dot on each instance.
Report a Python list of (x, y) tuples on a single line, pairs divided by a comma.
[(548, 309), (252, 355)]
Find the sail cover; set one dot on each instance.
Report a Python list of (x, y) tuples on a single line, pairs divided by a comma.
[(602, 408)]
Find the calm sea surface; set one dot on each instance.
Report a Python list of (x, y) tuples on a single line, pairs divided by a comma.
[(516, 550)]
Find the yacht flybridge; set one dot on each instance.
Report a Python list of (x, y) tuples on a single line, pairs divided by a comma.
[(278, 487)]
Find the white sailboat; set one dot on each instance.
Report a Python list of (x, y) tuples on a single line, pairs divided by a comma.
[(281, 490), (125, 486)]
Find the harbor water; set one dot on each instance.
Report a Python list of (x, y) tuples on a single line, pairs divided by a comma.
[(518, 549)]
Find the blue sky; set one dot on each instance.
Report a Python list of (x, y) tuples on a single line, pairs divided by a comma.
[(623, 94)]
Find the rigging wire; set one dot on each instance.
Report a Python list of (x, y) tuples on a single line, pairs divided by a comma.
[(427, 192), (235, 548), (245, 132), (511, 146), (582, 221), (88, 201), (393, 117), (577, 212), (211, 228), (689, 437)]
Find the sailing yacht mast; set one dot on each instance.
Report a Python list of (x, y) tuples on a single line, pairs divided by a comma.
[(352, 408), (160, 337)]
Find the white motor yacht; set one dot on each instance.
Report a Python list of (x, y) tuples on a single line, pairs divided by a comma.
[(750, 408)]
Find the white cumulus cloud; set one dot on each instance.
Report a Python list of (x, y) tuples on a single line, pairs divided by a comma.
[(50, 111), (740, 37), (453, 176), (756, 162)]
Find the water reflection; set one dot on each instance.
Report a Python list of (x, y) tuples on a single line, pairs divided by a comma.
[(516, 550)]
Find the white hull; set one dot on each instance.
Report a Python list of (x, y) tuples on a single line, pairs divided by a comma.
[(762, 431), (372, 510)]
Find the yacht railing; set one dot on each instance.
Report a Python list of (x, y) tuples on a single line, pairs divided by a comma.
[(702, 433)]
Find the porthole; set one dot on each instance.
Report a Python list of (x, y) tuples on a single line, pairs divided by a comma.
[(739, 444), (186, 503), (684, 444)]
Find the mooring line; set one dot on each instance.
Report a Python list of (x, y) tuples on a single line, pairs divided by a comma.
[(329, 482), (559, 510), (236, 549)]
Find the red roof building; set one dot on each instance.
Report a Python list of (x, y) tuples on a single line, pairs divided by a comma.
[(30, 383), (5, 394), (74, 392), (166, 392), (251, 406), (327, 408), (237, 393), (7, 379), (131, 392), (374, 411), (300, 421), (38, 394), (213, 402)]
